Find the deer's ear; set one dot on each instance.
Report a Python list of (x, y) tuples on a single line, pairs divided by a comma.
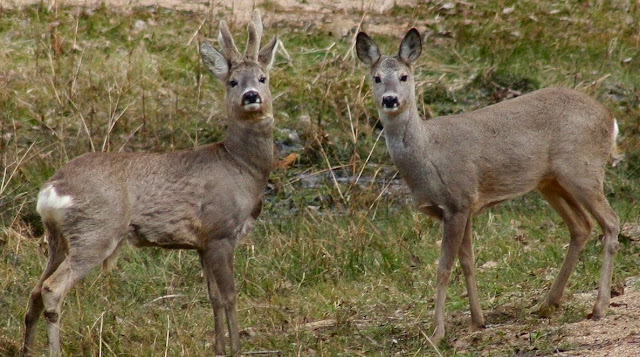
[(214, 61), (411, 46), (267, 54), (366, 49)]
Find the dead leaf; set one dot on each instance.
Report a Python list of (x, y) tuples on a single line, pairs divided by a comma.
[(287, 161)]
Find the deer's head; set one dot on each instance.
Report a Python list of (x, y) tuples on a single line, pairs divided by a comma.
[(246, 76), (392, 76)]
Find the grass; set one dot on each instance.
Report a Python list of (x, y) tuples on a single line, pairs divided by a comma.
[(332, 269)]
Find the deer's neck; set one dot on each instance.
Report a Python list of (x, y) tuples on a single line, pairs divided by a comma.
[(251, 144), (410, 144), (402, 132)]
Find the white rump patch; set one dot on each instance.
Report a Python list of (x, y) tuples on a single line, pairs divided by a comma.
[(616, 130), (51, 206)]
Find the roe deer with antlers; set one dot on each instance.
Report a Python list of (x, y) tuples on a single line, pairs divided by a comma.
[(556, 141), (203, 199)]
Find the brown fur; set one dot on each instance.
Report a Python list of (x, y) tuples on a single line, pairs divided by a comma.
[(203, 199), (555, 140)]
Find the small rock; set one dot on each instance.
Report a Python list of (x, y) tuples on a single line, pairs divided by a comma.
[(139, 25), (489, 265), (248, 332), (448, 6)]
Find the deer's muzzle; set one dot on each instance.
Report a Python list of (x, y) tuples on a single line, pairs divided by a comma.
[(390, 102), (251, 100)]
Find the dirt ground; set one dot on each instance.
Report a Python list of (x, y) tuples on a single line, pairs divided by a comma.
[(618, 334)]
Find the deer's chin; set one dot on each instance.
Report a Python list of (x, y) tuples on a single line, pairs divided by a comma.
[(252, 107), (391, 110)]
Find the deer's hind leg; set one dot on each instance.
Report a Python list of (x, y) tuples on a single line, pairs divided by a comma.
[(57, 253), (86, 251), (588, 190), (577, 220)]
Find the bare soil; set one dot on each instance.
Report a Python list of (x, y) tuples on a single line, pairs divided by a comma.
[(617, 334)]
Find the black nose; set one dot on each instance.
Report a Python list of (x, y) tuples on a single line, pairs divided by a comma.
[(390, 101), (251, 97)]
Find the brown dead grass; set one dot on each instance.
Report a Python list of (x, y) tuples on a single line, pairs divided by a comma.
[(618, 334)]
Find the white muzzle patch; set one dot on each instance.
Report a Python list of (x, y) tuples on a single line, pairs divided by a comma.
[(392, 109), (251, 107)]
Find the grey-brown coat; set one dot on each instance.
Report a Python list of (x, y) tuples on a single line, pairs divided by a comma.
[(202, 199), (556, 141)]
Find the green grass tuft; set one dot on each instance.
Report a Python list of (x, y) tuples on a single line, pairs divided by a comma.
[(333, 268)]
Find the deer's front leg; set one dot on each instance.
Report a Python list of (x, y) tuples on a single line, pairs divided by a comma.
[(465, 255), (216, 304), (217, 263), (453, 232)]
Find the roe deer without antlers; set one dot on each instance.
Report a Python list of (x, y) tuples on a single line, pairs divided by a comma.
[(202, 199), (556, 141)]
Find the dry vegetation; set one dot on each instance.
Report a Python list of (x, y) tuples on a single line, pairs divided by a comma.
[(340, 264)]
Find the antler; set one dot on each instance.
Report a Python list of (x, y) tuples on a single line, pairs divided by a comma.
[(255, 29), (227, 45)]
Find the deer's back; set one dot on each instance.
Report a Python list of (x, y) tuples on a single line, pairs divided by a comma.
[(543, 128), (179, 199), (507, 149)]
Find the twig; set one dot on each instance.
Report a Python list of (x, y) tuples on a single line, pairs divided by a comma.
[(196, 32), (430, 342), (163, 298), (353, 41), (384, 189), (100, 334), (263, 353), (166, 343), (284, 51), (368, 157), (84, 125), (333, 175), (5, 180), (113, 121), (353, 129), (129, 138), (319, 172)]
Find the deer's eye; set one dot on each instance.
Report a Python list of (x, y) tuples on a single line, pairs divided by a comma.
[(403, 78), (233, 83), (262, 79), (376, 79)]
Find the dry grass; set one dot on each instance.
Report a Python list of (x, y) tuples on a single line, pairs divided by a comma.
[(341, 264)]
